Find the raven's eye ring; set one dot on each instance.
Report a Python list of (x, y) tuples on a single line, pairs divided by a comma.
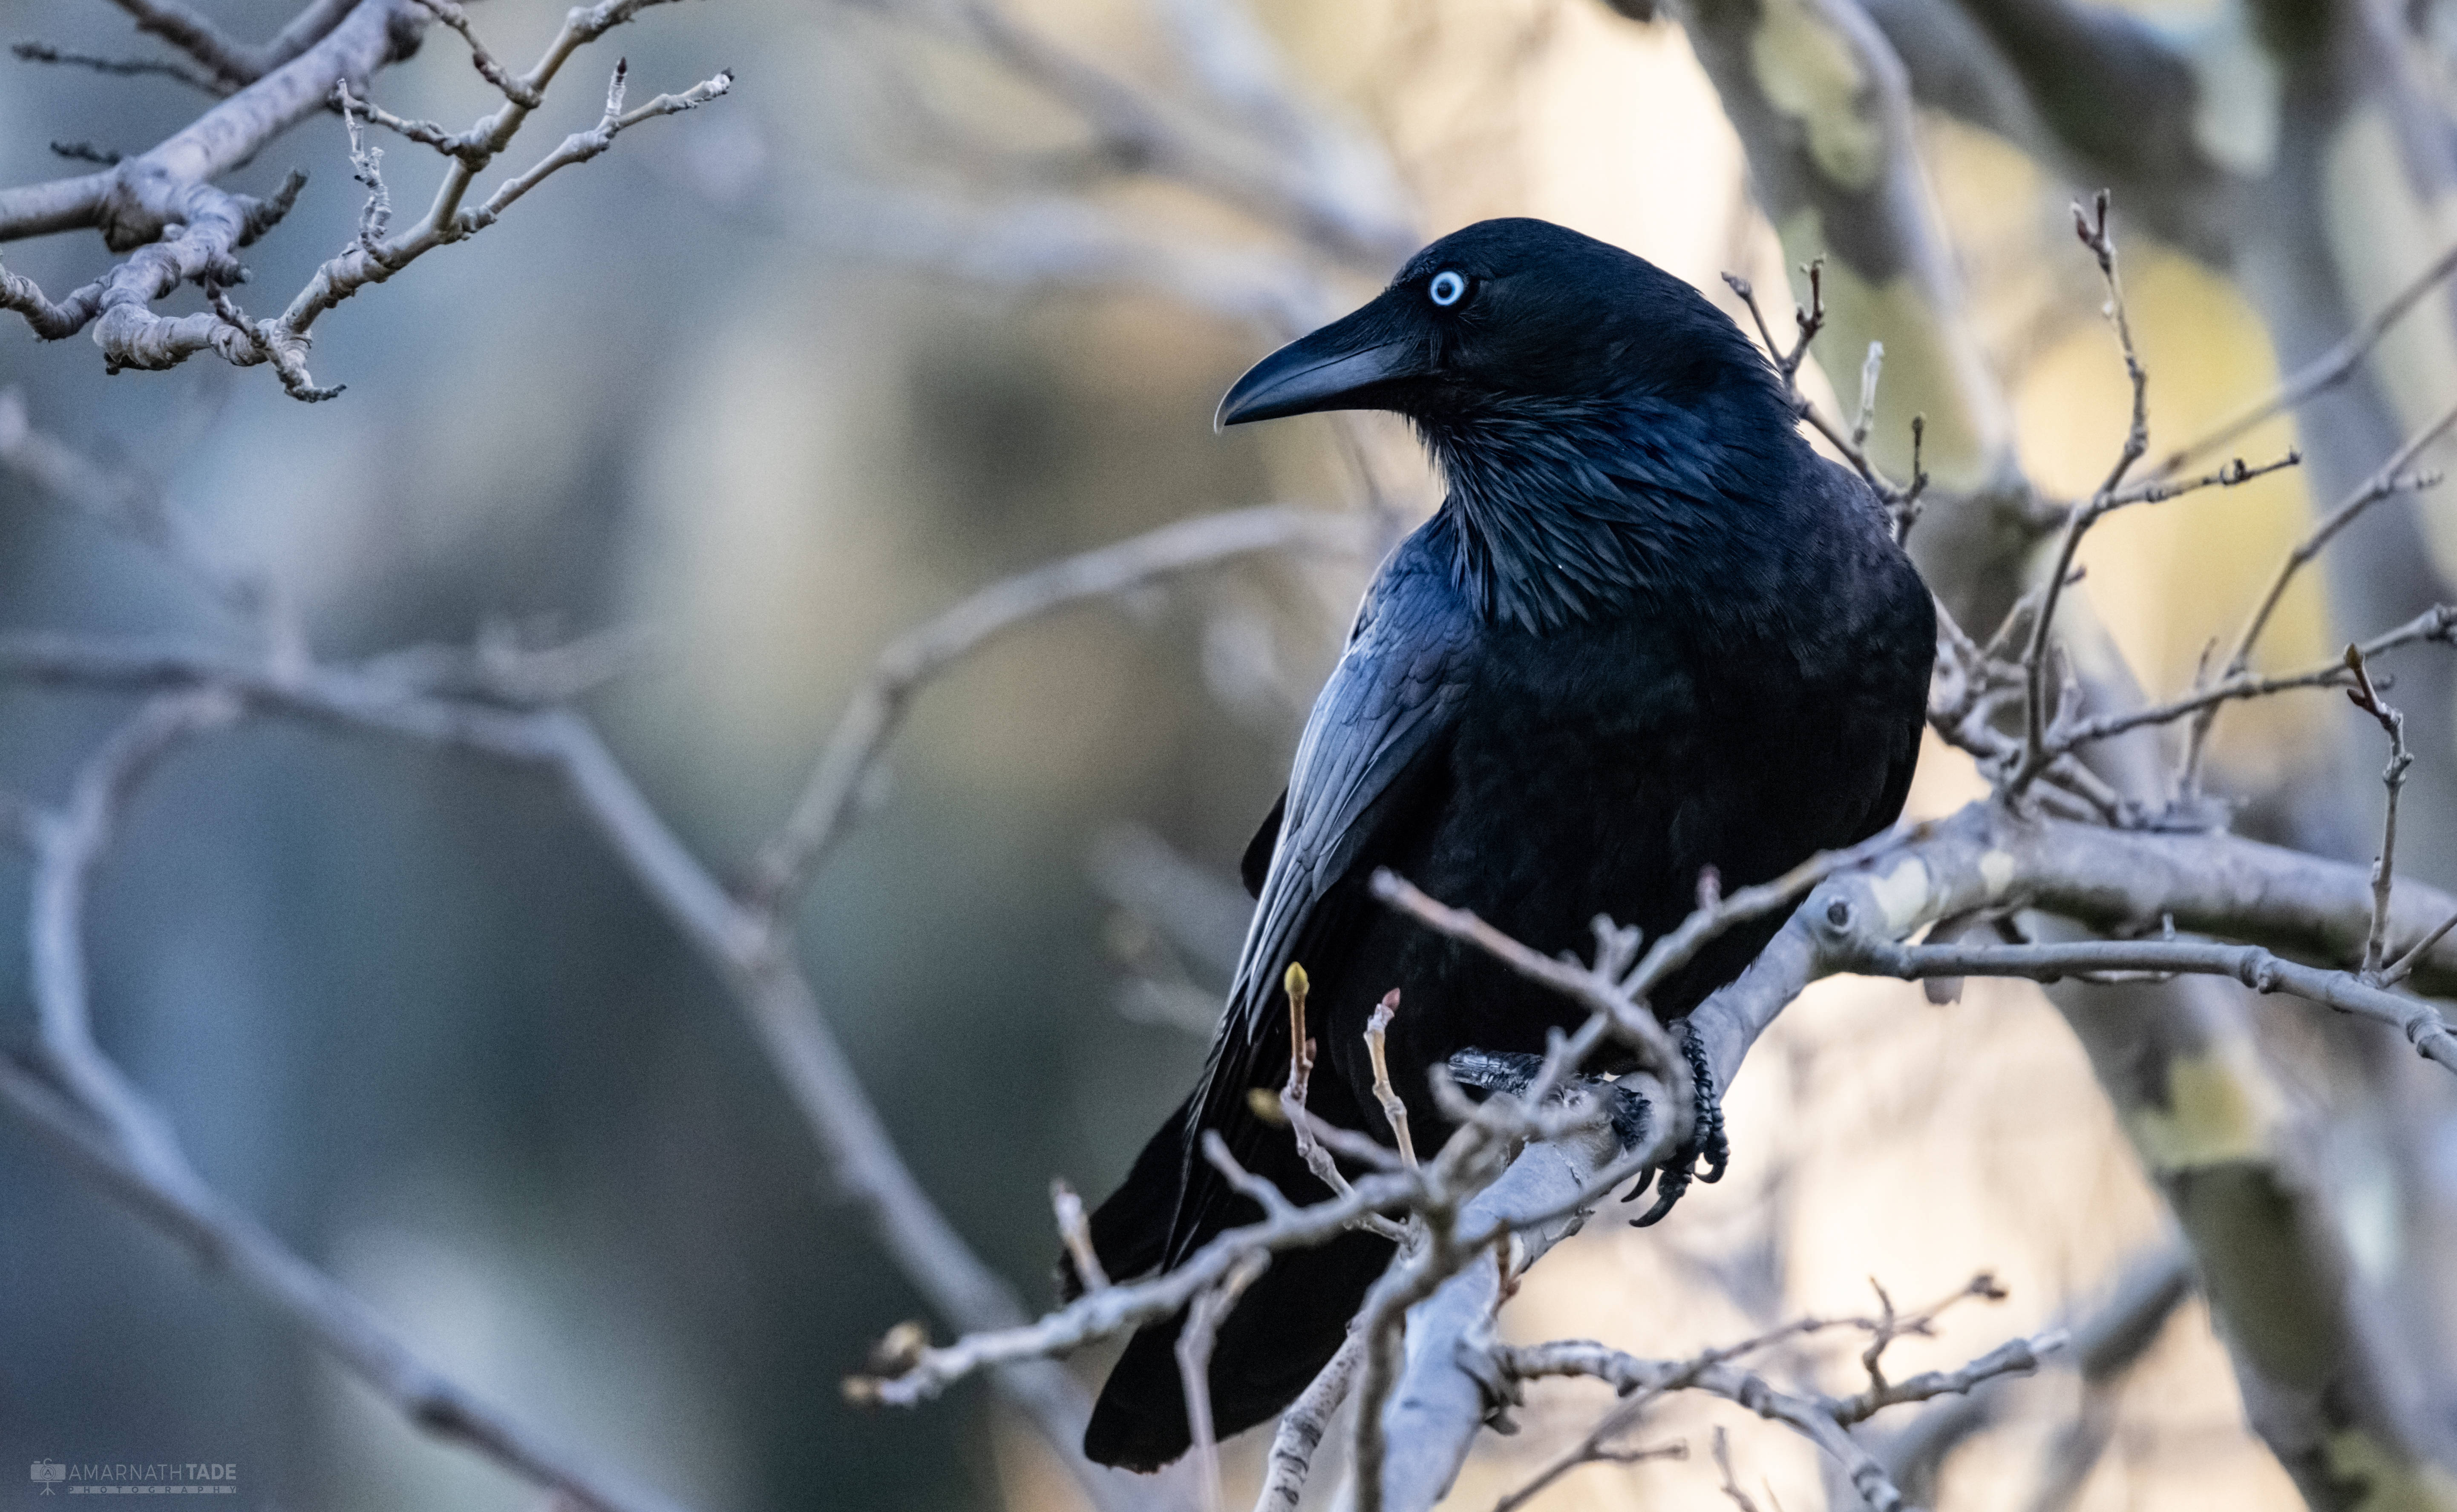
[(1448, 288)]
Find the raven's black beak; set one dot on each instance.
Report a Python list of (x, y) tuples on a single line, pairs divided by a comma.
[(1354, 363)]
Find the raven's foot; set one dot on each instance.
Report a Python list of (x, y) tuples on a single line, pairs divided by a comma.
[(1486, 1072), (1704, 1155)]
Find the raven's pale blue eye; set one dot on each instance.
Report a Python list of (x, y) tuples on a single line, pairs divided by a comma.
[(1448, 288)]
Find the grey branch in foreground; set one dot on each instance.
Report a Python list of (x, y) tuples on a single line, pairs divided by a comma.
[(164, 209), (1448, 1387), (1302, 1427), (1823, 1420), (2109, 1337), (1465, 1162), (1985, 860)]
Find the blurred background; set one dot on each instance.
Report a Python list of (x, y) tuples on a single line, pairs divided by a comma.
[(774, 382)]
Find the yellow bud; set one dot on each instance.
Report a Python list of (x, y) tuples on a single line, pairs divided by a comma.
[(900, 1350), (1294, 980)]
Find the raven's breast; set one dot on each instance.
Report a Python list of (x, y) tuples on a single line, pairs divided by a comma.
[(1601, 771)]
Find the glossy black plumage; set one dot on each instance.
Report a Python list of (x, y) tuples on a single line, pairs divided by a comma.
[(1648, 632)]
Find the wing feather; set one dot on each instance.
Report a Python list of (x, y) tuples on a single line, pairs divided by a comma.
[(1393, 698)]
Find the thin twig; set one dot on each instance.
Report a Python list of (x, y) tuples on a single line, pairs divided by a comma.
[(831, 793), (2036, 712), (1890, 1326), (1901, 503), (2323, 372), (2436, 623), (1076, 1234), (2390, 479), (1194, 1345), (1731, 1487), (124, 68), (2108, 1338), (1377, 1025), (2392, 721), (1296, 985), (518, 92), (2403, 966), (1822, 1420), (1311, 1133), (87, 1108), (366, 165), (1867, 416)]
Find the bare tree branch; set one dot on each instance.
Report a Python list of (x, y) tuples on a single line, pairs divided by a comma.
[(1821, 1420), (221, 1238), (2035, 711), (87, 1108), (122, 67), (2108, 1340), (1985, 860), (1302, 1427), (1452, 1382), (67, 847), (1121, 1308), (128, 502), (233, 62), (831, 794), (182, 229), (747, 945), (2393, 478), (2321, 373), (2438, 623)]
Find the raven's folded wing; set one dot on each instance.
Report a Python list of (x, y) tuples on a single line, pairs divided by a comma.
[(1392, 699)]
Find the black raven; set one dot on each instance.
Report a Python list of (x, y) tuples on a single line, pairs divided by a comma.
[(1649, 632)]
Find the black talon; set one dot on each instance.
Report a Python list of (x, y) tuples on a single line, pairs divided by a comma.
[(1708, 1113), (1705, 1145)]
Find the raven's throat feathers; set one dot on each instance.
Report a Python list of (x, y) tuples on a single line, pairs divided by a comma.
[(1563, 510)]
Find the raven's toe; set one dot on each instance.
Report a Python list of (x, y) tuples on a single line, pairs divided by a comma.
[(1703, 1155)]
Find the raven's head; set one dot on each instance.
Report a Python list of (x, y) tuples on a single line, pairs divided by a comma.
[(1604, 430), (1509, 316)]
